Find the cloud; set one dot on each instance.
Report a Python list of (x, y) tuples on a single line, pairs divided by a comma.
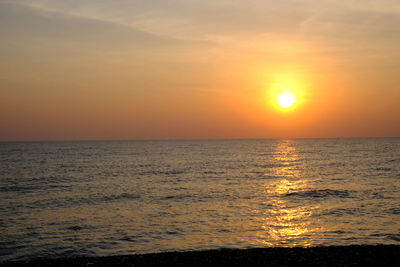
[(347, 28), (41, 44), (20, 21), (190, 19)]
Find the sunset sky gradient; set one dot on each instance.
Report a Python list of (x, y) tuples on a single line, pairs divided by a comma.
[(170, 69)]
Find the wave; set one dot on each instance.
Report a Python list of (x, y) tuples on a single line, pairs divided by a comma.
[(89, 200), (160, 173), (383, 169), (323, 193)]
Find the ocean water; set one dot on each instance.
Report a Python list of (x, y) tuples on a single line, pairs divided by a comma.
[(110, 198)]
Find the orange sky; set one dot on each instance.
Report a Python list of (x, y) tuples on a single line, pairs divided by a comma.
[(82, 70)]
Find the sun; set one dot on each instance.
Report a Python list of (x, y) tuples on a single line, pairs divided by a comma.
[(286, 100)]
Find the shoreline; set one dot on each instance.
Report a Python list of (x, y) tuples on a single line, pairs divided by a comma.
[(371, 255)]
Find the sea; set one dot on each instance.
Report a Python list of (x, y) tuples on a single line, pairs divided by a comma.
[(100, 198)]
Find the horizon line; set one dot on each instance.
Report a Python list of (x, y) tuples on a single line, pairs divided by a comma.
[(192, 139)]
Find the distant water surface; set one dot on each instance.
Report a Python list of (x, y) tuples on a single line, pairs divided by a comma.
[(109, 198)]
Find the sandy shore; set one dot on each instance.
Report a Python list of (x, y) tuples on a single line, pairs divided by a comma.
[(381, 255)]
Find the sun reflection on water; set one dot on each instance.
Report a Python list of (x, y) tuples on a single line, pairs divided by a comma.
[(286, 223)]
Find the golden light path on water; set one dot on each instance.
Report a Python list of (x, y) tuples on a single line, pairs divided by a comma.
[(284, 223)]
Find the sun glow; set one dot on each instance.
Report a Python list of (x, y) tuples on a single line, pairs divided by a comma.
[(286, 100), (286, 92)]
